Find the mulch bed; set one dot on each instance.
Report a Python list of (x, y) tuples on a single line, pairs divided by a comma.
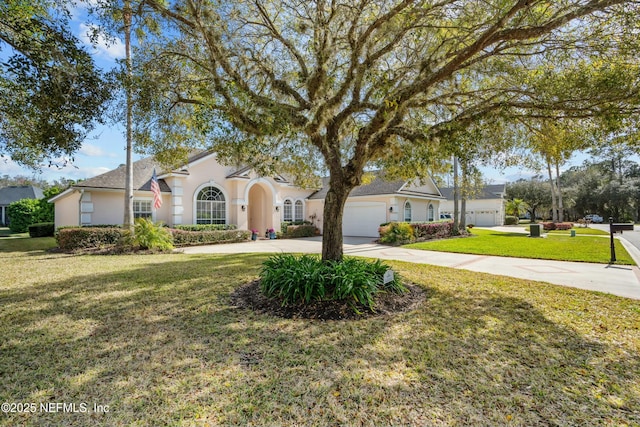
[(250, 297)]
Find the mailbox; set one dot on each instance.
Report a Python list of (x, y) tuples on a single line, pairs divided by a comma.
[(619, 228)]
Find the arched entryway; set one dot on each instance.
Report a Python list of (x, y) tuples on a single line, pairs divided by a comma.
[(260, 208)]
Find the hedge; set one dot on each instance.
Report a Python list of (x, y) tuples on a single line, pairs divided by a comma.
[(404, 232), (70, 239), (285, 224), (191, 238), (205, 227), (43, 229), (557, 225), (511, 220), (432, 230), (293, 231)]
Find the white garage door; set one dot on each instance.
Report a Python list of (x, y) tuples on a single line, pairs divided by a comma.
[(486, 218), (363, 219)]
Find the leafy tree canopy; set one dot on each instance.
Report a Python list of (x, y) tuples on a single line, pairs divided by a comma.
[(341, 86), (51, 93)]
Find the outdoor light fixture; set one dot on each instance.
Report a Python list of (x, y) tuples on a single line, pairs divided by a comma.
[(277, 208), (243, 207), (390, 208)]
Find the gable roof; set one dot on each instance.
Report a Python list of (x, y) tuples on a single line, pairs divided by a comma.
[(379, 186), (14, 193), (115, 179), (494, 191)]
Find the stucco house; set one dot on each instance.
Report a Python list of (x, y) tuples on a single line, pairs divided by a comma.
[(14, 193), (485, 209), (206, 192)]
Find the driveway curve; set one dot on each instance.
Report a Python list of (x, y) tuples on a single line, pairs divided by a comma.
[(614, 279)]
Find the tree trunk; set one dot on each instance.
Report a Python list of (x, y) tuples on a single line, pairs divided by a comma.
[(463, 196), (332, 238), (456, 211), (560, 204), (554, 205), (128, 186)]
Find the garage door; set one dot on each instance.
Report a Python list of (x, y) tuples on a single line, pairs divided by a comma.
[(486, 218), (363, 219)]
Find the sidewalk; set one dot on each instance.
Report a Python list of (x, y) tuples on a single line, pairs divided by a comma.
[(619, 280)]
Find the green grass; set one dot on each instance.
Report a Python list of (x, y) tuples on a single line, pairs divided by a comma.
[(156, 338), (10, 242), (554, 246), (580, 231)]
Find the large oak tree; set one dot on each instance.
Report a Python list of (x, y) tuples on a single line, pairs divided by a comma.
[(51, 93), (342, 85)]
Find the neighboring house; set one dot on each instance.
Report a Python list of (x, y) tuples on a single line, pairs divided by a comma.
[(485, 209), (205, 192), (12, 194)]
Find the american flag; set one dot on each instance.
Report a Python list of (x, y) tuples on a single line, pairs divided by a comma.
[(155, 189)]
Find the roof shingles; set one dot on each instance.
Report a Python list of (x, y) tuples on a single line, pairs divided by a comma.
[(115, 179)]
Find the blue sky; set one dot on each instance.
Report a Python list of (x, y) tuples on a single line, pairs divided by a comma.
[(104, 149)]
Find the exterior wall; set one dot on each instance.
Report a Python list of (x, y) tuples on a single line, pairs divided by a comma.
[(67, 210), (428, 187), (418, 207), (101, 208), (203, 173), (269, 194), (479, 207)]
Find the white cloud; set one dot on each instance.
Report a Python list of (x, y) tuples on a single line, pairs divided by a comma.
[(84, 172), (91, 150), (113, 49)]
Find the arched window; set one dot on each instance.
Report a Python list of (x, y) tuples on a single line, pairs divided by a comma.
[(299, 211), (288, 211), (210, 206), (407, 212), (430, 215)]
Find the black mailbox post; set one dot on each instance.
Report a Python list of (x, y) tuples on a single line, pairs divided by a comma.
[(617, 228)]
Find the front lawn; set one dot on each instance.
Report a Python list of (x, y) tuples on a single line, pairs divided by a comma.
[(554, 246), (10, 242), (580, 231), (156, 340)]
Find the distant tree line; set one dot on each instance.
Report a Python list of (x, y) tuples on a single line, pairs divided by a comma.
[(609, 188)]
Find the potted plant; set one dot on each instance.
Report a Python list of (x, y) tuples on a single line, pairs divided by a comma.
[(272, 233), (254, 234)]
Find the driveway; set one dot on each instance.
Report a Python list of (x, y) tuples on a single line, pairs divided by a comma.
[(618, 280)]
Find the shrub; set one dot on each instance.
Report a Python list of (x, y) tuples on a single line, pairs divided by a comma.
[(22, 213), (396, 232), (432, 230), (206, 227), (557, 225), (564, 226), (511, 220), (403, 232), (148, 235), (293, 231), (301, 280), (75, 238), (470, 225), (43, 229), (285, 224), (192, 238)]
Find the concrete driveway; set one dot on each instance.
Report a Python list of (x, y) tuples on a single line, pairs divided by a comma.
[(618, 280)]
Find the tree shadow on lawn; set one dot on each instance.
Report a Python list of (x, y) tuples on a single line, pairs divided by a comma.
[(161, 344)]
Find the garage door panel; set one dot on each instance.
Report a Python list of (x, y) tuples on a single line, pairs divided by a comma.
[(363, 219), (485, 219)]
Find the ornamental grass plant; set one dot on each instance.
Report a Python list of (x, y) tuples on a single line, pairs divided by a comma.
[(304, 279)]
